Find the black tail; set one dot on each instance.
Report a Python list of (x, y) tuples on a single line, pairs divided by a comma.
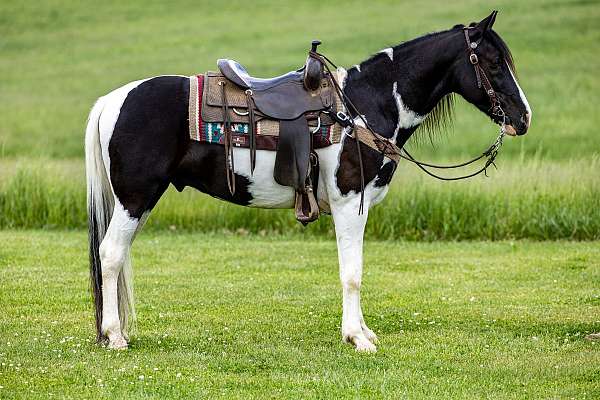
[(95, 236)]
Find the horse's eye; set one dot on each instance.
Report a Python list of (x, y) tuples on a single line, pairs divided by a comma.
[(496, 64)]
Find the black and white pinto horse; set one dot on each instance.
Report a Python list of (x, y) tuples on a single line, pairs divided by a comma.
[(137, 143)]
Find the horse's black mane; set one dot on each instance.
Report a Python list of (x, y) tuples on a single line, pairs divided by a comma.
[(441, 118)]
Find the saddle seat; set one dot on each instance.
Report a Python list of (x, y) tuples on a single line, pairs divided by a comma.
[(236, 73), (289, 99)]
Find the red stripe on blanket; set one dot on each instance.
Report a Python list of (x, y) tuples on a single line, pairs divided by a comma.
[(200, 91)]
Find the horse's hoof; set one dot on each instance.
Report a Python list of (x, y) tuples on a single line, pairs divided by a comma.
[(370, 335), (118, 344), (364, 346), (593, 336), (361, 343)]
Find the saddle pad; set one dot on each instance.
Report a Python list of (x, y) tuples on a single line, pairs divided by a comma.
[(267, 131)]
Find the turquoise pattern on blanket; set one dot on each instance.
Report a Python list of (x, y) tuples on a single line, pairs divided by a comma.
[(214, 132)]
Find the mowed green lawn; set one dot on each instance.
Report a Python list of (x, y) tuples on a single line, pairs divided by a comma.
[(255, 317)]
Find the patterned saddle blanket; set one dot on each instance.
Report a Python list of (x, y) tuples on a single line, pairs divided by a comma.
[(205, 118)]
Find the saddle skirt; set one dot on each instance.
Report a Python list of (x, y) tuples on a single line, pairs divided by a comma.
[(206, 119)]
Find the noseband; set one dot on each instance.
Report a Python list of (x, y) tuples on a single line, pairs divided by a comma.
[(482, 79)]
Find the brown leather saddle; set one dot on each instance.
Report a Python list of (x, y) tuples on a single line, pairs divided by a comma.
[(298, 101)]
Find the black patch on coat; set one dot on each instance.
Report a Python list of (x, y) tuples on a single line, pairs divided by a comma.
[(203, 168), (149, 139), (385, 174), (150, 148), (378, 107)]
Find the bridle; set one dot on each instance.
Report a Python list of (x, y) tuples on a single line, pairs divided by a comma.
[(483, 81), (390, 149)]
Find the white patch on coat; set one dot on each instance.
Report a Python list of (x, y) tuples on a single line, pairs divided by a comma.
[(357, 66), (342, 75), (265, 192), (523, 98), (407, 118), (389, 51)]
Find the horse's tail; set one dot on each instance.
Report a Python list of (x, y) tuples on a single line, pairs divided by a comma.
[(100, 204)]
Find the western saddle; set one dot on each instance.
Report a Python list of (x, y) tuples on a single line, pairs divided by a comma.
[(298, 101)]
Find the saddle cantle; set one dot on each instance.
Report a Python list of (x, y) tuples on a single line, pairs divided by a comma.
[(296, 103)]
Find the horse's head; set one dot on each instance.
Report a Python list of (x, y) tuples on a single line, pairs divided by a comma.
[(492, 63)]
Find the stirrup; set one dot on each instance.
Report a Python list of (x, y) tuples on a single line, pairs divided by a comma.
[(306, 208)]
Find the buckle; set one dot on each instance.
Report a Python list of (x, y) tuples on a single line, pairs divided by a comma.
[(342, 116), (473, 58)]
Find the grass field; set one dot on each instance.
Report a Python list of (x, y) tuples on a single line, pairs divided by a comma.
[(230, 317), (241, 303)]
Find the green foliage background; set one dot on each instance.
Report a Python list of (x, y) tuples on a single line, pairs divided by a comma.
[(57, 57)]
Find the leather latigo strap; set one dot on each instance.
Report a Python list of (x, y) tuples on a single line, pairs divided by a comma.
[(229, 166), (251, 130)]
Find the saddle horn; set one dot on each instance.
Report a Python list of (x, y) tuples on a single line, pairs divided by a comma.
[(313, 68)]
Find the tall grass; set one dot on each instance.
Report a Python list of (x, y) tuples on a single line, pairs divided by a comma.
[(535, 200)]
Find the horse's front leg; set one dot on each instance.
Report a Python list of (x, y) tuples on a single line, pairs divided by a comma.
[(349, 231)]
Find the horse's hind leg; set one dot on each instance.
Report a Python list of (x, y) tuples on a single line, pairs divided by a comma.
[(117, 282), (114, 255)]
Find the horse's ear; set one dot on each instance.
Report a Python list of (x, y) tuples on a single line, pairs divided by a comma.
[(487, 23), (483, 26)]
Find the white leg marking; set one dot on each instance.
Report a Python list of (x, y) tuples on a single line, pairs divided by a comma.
[(349, 230), (523, 98), (369, 334), (114, 253), (389, 51)]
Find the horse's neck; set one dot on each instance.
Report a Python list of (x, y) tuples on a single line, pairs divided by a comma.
[(396, 89)]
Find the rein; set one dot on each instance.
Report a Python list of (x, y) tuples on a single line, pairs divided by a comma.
[(391, 150)]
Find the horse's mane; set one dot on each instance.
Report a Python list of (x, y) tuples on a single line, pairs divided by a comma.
[(441, 118), (438, 121)]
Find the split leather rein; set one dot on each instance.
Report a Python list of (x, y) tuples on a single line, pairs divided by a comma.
[(390, 149)]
